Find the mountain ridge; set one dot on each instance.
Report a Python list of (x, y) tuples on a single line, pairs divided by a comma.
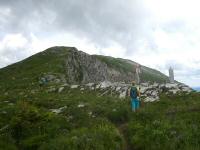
[(79, 67)]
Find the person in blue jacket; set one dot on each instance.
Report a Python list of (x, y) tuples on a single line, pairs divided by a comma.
[(134, 94)]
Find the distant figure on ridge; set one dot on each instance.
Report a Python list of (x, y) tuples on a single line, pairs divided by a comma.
[(134, 94)]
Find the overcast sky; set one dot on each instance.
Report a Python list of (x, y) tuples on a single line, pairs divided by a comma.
[(154, 33)]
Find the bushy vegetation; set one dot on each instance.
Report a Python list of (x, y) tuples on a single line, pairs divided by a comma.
[(89, 122), (30, 123), (29, 119)]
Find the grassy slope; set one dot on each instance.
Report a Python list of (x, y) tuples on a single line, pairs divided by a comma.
[(172, 123), (153, 75), (25, 74), (122, 65), (116, 63)]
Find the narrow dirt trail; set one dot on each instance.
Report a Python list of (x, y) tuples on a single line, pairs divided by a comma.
[(122, 128)]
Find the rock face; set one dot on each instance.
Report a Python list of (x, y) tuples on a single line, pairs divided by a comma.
[(84, 68)]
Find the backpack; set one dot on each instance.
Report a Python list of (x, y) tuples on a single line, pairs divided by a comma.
[(133, 92)]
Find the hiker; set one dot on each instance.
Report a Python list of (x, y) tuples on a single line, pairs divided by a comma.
[(134, 94)]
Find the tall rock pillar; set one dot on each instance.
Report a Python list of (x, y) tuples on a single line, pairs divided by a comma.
[(171, 75), (137, 74)]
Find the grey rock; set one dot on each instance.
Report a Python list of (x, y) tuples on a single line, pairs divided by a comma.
[(10, 104), (155, 85), (81, 106), (98, 86), (104, 93), (122, 94), (171, 85), (186, 89), (49, 77), (143, 89), (90, 113), (57, 80), (74, 86), (174, 91), (51, 89), (61, 89), (90, 84), (105, 84), (117, 89), (151, 99), (59, 110), (82, 89), (65, 85), (145, 84), (154, 93)]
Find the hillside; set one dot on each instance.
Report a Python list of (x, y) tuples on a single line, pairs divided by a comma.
[(60, 99), (72, 66)]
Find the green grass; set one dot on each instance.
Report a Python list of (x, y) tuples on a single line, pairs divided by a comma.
[(153, 75), (27, 123), (116, 63), (26, 73), (103, 122)]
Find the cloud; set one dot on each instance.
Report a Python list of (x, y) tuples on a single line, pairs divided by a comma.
[(12, 48), (101, 22), (154, 33)]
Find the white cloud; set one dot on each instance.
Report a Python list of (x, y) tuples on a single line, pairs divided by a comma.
[(13, 41), (12, 48), (155, 33)]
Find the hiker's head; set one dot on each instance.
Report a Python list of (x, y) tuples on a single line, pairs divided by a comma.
[(133, 83)]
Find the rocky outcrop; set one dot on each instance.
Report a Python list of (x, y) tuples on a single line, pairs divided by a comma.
[(149, 92), (84, 68)]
